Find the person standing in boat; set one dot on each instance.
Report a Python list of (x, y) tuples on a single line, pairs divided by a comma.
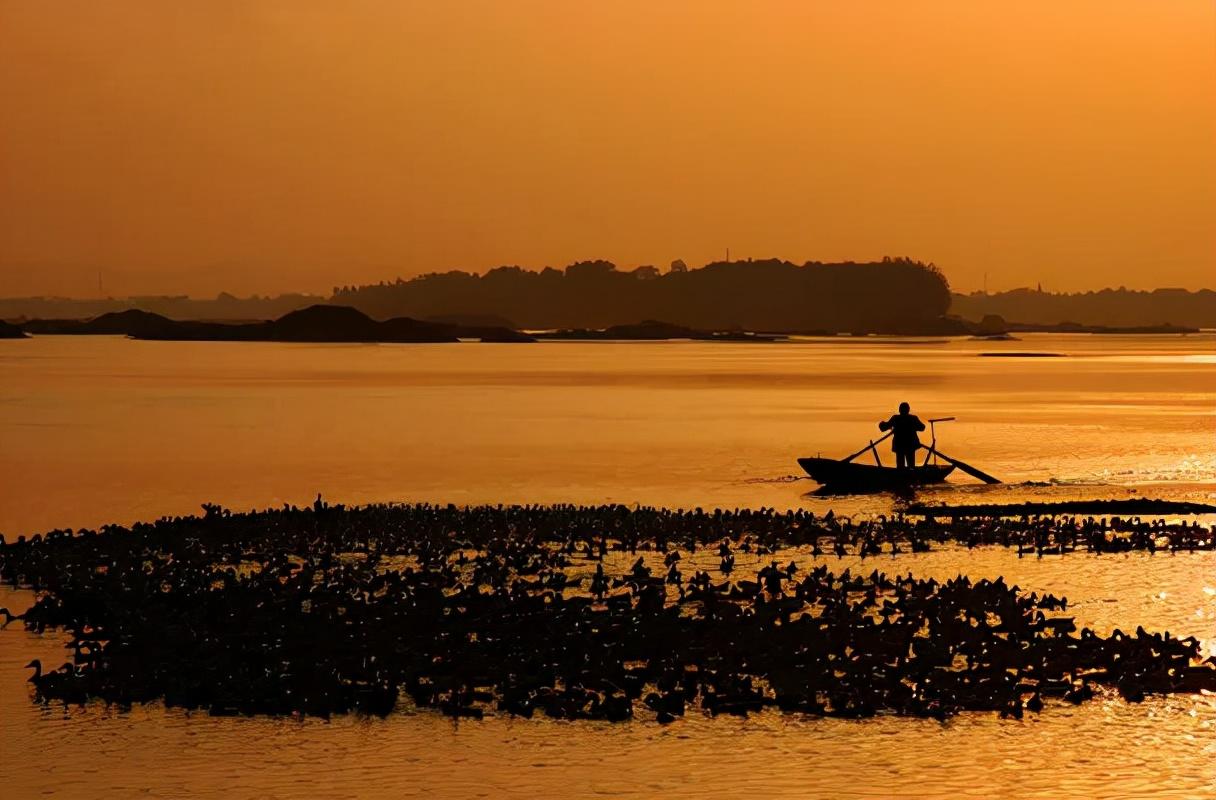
[(905, 442)]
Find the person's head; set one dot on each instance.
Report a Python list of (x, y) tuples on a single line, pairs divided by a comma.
[(904, 408)]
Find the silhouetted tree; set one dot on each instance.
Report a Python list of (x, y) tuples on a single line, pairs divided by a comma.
[(896, 295)]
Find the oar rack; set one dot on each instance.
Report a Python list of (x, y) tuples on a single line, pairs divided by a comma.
[(931, 450)]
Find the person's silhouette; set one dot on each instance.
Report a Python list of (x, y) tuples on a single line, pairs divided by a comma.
[(905, 442)]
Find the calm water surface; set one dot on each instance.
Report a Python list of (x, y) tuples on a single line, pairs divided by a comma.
[(104, 429), (101, 429)]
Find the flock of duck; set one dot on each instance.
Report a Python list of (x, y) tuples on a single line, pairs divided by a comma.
[(573, 612)]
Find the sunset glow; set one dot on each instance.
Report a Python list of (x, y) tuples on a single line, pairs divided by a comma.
[(278, 146)]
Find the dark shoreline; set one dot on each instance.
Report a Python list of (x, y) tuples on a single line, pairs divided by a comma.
[(333, 323), (317, 323)]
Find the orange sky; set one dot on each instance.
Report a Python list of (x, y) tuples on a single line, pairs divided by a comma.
[(257, 146)]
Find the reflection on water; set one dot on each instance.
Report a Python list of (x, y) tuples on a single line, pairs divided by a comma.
[(103, 429)]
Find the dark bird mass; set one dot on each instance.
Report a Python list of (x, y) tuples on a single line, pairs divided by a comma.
[(574, 612)]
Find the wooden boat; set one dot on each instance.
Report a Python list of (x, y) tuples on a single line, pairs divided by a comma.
[(850, 476), (844, 475)]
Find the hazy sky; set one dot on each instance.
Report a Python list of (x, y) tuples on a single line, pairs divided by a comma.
[(260, 146)]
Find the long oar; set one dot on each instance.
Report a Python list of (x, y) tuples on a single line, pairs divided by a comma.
[(967, 468), (870, 446)]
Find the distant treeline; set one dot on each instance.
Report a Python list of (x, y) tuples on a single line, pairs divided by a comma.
[(222, 307), (893, 295), (1111, 307), (889, 296)]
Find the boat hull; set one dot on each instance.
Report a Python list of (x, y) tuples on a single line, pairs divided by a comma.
[(850, 476)]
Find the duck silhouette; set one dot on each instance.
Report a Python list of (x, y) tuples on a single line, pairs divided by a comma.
[(472, 611)]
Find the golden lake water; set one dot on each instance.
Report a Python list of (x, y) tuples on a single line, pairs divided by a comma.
[(104, 429)]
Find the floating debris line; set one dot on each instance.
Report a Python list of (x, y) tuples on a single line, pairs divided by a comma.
[(570, 612), (1136, 506)]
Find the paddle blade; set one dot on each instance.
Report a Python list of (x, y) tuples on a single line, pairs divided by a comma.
[(965, 467)]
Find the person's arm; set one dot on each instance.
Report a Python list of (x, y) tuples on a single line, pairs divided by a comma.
[(920, 426), (885, 425)]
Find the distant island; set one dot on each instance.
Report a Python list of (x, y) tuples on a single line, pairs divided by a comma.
[(596, 300), (318, 323), (327, 323), (655, 330), (1076, 327), (895, 295), (1108, 308)]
